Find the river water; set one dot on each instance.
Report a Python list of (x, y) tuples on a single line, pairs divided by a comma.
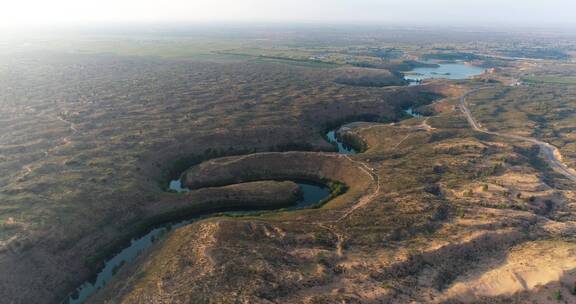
[(342, 147), (313, 194)]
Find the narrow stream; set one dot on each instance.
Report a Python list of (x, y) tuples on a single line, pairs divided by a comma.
[(176, 186), (410, 111), (342, 147)]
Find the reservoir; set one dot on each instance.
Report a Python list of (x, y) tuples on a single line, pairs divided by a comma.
[(445, 70)]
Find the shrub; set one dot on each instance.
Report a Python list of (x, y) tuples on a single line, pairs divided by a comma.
[(433, 189), (337, 188), (558, 295)]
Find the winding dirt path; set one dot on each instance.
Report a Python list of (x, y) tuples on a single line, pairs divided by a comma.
[(69, 123), (551, 154), (340, 239), (370, 171), (367, 198), (65, 141), (424, 126)]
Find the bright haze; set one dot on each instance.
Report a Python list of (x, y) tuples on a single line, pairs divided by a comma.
[(30, 13)]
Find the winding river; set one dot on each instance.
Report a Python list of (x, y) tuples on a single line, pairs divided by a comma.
[(343, 148), (410, 111), (312, 194)]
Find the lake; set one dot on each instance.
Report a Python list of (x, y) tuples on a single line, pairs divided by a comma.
[(445, 70)]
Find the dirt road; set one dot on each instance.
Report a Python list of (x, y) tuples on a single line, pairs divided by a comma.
[(550, 153)]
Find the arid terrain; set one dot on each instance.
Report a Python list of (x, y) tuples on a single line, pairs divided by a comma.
[(462, 202)]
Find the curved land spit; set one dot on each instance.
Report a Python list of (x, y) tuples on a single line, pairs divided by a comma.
[(364, 200), (210, 180), (551, 154), (234, 171)]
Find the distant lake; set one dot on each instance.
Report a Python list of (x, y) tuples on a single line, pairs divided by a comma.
[(445, 70)]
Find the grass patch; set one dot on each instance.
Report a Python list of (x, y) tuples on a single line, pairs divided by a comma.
[(551, 79)]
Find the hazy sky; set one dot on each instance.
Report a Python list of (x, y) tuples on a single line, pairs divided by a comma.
[(486, 12)]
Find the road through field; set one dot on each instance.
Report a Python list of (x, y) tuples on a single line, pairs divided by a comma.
[(551, 154)]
